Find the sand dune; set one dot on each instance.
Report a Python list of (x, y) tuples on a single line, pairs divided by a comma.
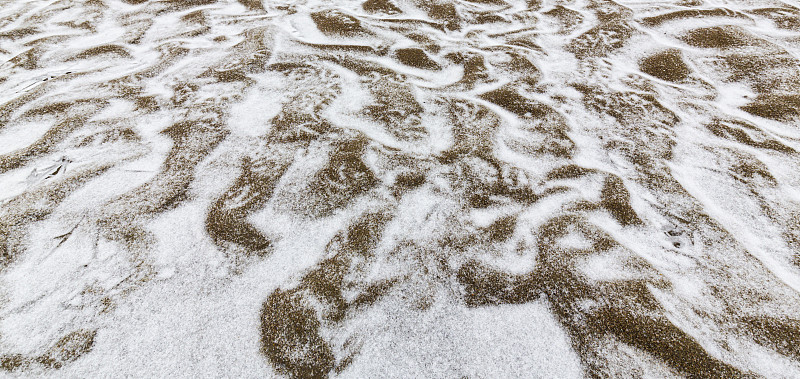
[(400, 188)]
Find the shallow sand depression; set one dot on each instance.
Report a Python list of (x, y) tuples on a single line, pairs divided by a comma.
[(400, 188)]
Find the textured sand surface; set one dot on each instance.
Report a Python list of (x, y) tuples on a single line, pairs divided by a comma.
[(400, 188)]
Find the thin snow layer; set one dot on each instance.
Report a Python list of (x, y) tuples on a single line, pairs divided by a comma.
[(399, 188)]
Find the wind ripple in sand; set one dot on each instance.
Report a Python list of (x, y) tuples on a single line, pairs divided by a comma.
[(481, 188)]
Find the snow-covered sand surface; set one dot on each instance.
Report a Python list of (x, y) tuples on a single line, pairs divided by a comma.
[(400, 188)]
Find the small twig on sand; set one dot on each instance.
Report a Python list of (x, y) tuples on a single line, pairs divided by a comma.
[(66, 235)]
